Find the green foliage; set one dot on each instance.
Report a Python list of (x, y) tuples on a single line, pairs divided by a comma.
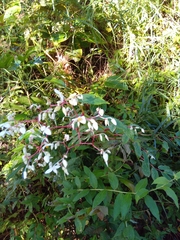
[(62, 177)]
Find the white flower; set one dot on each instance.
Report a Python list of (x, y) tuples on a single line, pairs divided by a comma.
[(39, 117), (113, 121), (34, 106), (11, 116), (59, 94), (52, 168), (52, 115), (45, 130), (105, 155), (101, 136), (73, 99), (78, 120), (66, 111), (94, 124), (65, 164), (100, 111), (57, 108), (66, 137), (6, 125), (47, 157), (3, 133), (56, 145), (106, 122), (26, 156), (39, 156), (24, 174), (44, 115), (46, 145), (22, 129)]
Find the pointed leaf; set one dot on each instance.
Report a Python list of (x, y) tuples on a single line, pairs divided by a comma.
[(128, 232), (77, 182), (151, 204), (79, 226), (99, 198), (122, 205), (154, 173), (113, 180), (172, 195), (140, 194), (80, 195), (93, 180), (141, 184), (146, 166), (161, 181), (137, 148), (92, 99)]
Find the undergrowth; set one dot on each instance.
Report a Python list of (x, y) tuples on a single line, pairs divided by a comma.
[(90, 119)]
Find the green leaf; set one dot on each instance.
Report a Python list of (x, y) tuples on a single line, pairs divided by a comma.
[(141, 184), (161, 181), (79, 226), (128, 184), (75, 55), (77, 182), (137, 148), (60, 207), (59, 82), (146, 166), (64, 218), (140, 194), (151, 204), (125, 138), (24, 100), (11, 12), (38, 100), (116, 82), (92, 178), (172, 195), (165, 146), (154, 173), (81, 195), (122, 205), (113, 180), (59, 38), (177, 176), (99, 198), (92, 99), (128, 232), (119, 231)]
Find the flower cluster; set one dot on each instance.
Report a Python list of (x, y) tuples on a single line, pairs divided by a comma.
[(48, 126)]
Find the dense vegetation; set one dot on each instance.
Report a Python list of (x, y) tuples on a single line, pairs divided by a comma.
[(90, 119)]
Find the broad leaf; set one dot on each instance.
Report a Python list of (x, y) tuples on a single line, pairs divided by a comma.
[(122, 205), (128, 232), (91, 99), (92, 178), (161, 181), (116, 82), (151, 204), (77, 182), (140, 194), (172, 195), (145, 165), (137, 148), (99, 198), (141, 184), (113, 180), (79, 226), (80, 195)]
